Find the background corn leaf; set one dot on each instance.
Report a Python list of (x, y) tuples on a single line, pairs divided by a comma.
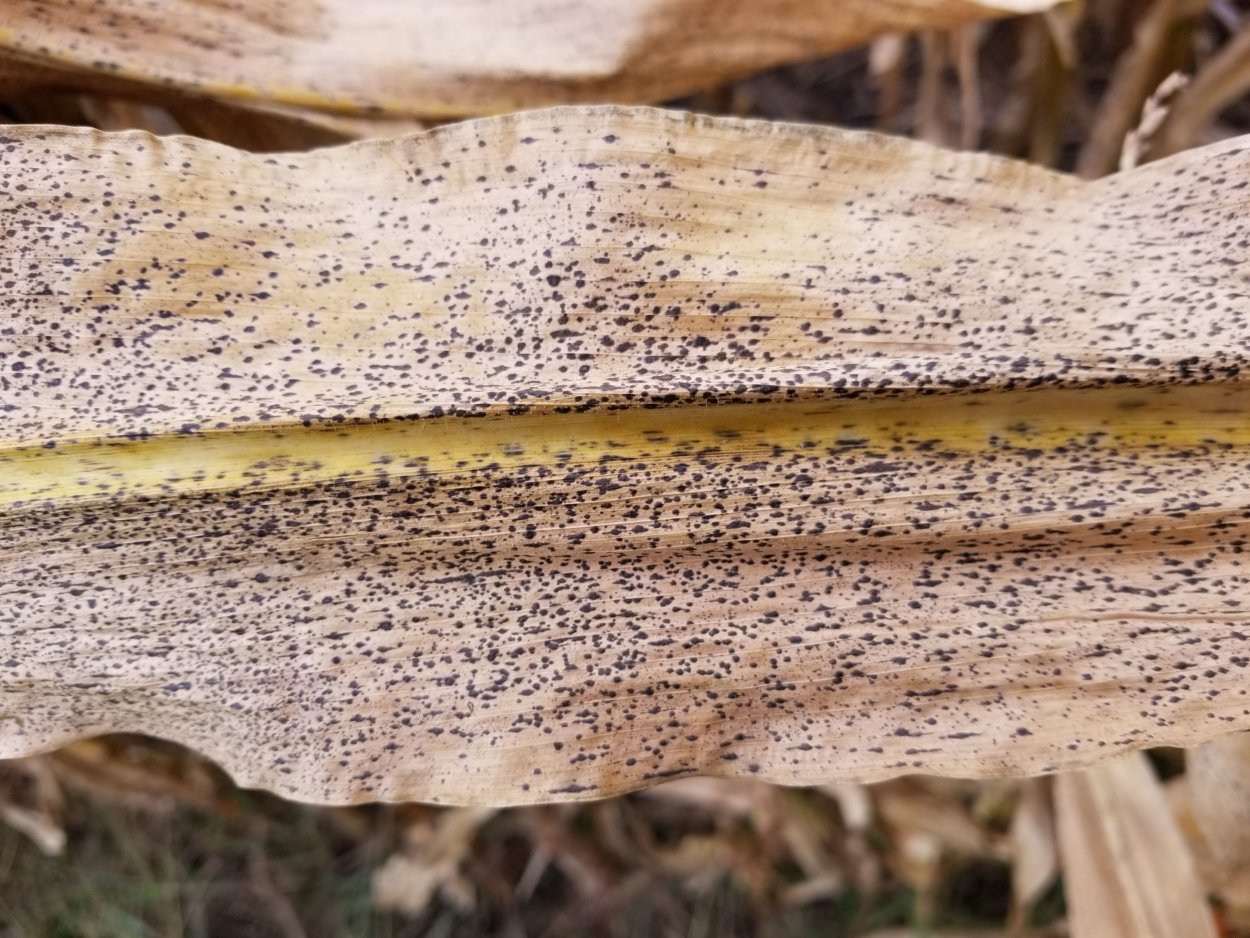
[(447, 57), (1128, 871)]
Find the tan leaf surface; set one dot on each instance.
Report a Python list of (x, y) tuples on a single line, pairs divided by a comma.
[(1127, 869), (1034, 849), (553, 455), (455, 57), (1217, 786), (42, 94)]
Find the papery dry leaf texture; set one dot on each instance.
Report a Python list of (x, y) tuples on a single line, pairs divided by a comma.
[(553, 455), (1127, 868), (1219, 804), (451, 57)]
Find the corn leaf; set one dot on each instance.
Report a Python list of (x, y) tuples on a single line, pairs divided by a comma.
[(553, 455), (1127, 868), (449, 57), (1213, 801)]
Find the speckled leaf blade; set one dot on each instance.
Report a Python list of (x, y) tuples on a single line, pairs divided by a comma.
[(553, 455), (451, 57)]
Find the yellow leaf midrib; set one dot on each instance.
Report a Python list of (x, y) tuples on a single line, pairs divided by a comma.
[(1120, 418)]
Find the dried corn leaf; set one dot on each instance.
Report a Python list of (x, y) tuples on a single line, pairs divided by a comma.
[(32, 803), (1127, 870), (554, 455), (455, 57), (907, 808), (1217, 785), (49, 95), (273, 128), (1035, 851)]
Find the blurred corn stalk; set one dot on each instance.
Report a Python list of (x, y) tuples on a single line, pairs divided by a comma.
[(291, 91)]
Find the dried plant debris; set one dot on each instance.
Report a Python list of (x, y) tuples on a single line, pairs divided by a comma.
[(1062, 88), (1138, 72), (1034, 850), (551, 456), (442, 58), (1127, 870), (1214, 795), (699, 857), (1220, 83)]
